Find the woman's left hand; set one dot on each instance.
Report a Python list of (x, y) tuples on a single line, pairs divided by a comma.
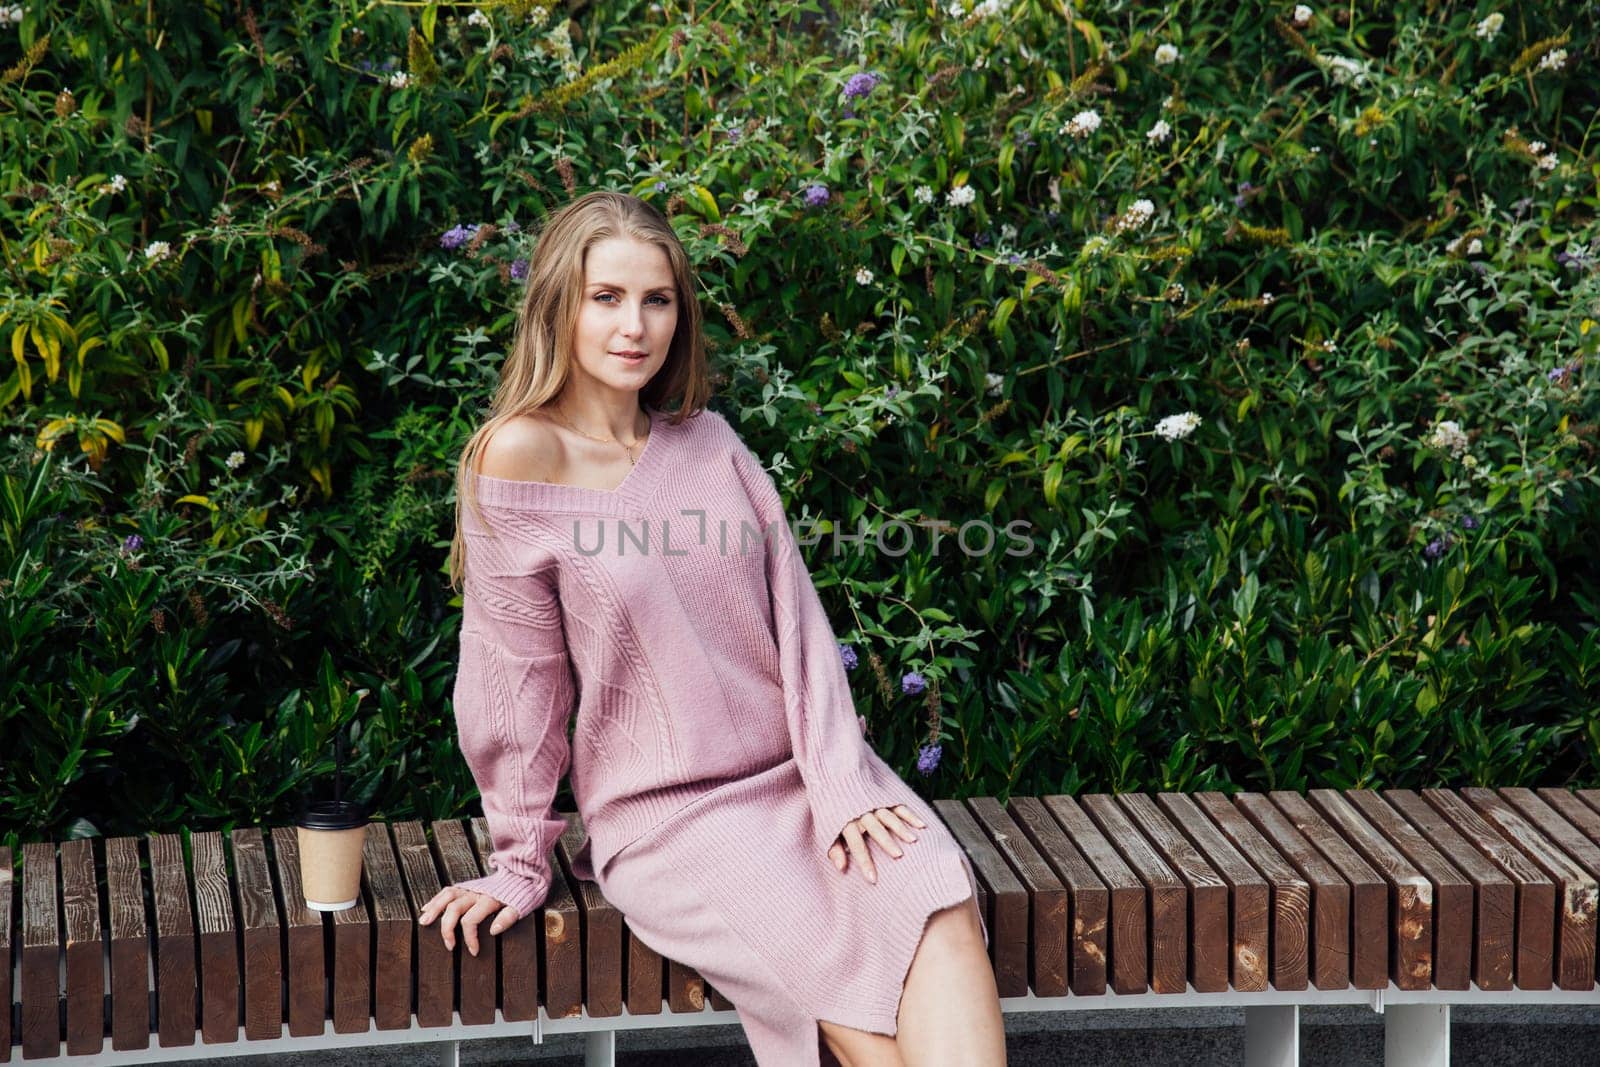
[(879, 823)]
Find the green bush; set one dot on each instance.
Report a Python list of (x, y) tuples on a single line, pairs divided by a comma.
[(1277, 336)]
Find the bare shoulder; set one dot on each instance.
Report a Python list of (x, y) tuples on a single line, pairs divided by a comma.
[(525, 448)]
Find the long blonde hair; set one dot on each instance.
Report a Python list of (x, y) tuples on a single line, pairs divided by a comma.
[(539, 364)]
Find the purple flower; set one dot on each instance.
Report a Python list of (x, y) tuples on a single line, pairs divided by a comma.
[(861, 84), (913, 683), (816, 195), (1469, 523), (848, 655), (1015, 257), (512, 227), (519, 269), (1024, 137), (928, 758), (1558, 374), (661, 186), (848, 112), (891, 391), (132, 543), (456, 236), (1436, 548)]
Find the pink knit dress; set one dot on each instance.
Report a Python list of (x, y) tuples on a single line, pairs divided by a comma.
[(716, 753)]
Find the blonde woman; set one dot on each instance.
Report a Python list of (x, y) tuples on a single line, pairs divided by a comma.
[(634, 568)]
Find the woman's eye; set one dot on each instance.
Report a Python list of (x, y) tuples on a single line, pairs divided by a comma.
[(662, 299)]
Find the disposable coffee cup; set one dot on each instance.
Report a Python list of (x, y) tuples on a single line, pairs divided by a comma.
[(332, 834)]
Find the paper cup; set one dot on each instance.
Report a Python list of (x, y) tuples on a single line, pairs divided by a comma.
[(332, 834)]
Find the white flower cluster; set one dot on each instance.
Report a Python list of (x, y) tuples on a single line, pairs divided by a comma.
[(1490, 26), (11, 16), (1166, 54), (994, 383), (478, 18), (559, 40), (1475, 247), (1447, 435), (235, 460), (1343, 70), (1548, 160), (1177, 427), (1302, 14), (960, 196), (399, 80), (118, 183), (983, 9), (1159, 132), (923, 194), (1554, 59), (751, 196), (1138, 213), (863, 276), (1080, 125), (156, 251)]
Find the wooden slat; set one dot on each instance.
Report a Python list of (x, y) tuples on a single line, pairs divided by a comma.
[(1088, 900), (645, 972), (686, 990), (7, 888), (130, 946), (1048, 913), (394, 922), (602, 926), (459, 864), (219, 951), (261, 925), (80, 911), (519, 945), (1248, 894), (1575, 811), (41, 1030), (1452, 891), (1369, 893), (1008, 927), (1575, 890), (1169, 897), (1536, 892), (1408, 925), (435, 970), (1207, 893), (1329, 939), (1289, 894), (352, 962), (563, 949), (305, 971), (176, 984), (1129, 950), (1495, 893), (1590, 797), (1556, 827)]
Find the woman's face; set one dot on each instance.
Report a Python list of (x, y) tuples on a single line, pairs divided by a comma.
[(630, 304)]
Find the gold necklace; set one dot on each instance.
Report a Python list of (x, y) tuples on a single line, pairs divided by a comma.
[(603, 440)]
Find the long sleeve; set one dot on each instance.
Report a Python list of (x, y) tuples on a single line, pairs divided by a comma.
[(844, 778), (514, 697)]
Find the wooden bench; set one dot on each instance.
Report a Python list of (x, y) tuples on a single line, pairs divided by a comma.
[(190, 946)]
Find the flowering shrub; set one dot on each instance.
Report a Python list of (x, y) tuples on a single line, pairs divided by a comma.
[(1276, 332)]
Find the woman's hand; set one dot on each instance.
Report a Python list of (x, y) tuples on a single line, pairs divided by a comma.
[(878, 823), (469, 908)]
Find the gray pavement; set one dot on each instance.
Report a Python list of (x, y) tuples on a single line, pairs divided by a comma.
[(1199, 1037)]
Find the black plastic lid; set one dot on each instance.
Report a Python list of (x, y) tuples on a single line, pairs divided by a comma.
[(332, 814)]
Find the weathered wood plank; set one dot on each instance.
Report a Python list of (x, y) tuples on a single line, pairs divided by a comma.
[(80, 912), (41, 952), (1248, 894), (1008, 927), (219, 952), (519, 945), (1452, 892), (1048, 912), (262, 926), (305, 969), (1129, 959), (1289, 892), (602, 922), (1577, 890), (394, 922), (435, 964), (1088, 899), (130, 946), (477, 971), (1330, 894), (176, 983), (1207, 926), (1369, 893), (1536, 892), (1169, 897)]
